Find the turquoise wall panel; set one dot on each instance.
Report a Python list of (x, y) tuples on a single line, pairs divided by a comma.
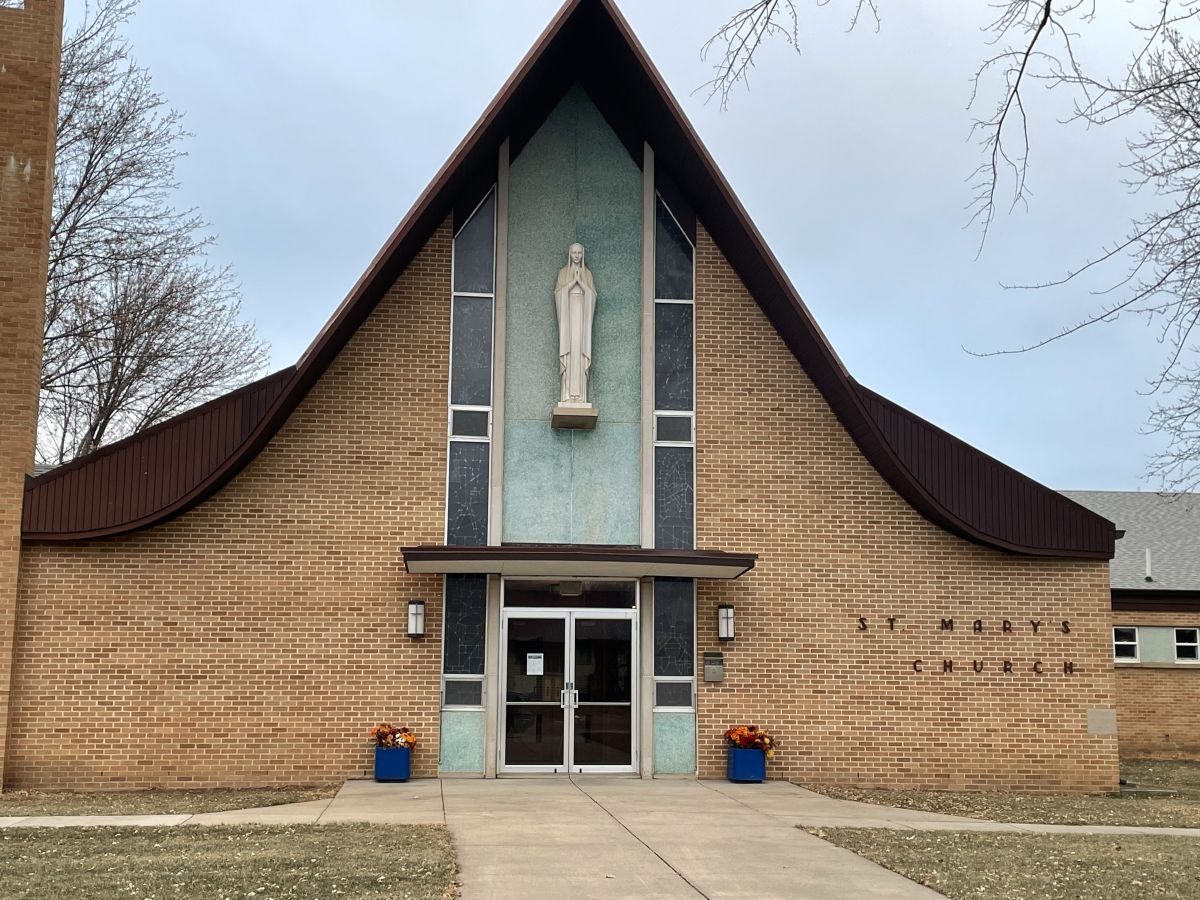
[(462, 741), (674, 743), (573, 181)]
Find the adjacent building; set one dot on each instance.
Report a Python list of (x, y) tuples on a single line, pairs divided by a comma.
[(570, 482), (1156, 618)]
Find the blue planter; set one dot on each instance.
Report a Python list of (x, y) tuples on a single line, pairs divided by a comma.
[(392, 763), (747, 765)]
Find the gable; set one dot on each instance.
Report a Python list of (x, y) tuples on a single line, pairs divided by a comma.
[(589, 43)]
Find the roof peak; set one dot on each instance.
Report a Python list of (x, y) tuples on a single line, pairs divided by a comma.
[(973, 496)]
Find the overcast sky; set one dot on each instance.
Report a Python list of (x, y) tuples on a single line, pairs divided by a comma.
[(317, 124)]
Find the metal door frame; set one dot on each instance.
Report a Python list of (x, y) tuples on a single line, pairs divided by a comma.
[(569, 615)]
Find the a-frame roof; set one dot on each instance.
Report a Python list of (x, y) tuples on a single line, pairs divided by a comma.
[(157, 475)]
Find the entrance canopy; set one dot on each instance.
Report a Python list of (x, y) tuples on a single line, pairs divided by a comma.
[(577, 561)]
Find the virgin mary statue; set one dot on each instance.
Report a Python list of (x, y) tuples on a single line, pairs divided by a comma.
[(575, 303)]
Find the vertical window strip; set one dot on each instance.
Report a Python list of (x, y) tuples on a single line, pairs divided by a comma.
[(464, 640), (674, 644), (469, 418), (674, 383)]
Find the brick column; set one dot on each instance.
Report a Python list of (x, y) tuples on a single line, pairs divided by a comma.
[(30, 44)]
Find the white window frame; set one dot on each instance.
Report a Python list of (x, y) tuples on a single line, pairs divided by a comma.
[(468, 438), (675, 679), (482, 692), (675, 414), (1193, 643), (1136, 644)]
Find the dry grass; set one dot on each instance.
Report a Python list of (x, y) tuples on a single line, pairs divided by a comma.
[(153, 802), (1054, 809), (972, 865), (1181, 775), (1182, 811), (263, 862)]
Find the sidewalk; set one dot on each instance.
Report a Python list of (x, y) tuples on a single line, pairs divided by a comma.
[(615, 837), (623, 837), (424, 801)]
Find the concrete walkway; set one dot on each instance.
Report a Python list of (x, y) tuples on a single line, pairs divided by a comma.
[(613, 837), (623, 837)]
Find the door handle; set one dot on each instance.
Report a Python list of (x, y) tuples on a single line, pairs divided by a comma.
[(574, 699), (562, 698)]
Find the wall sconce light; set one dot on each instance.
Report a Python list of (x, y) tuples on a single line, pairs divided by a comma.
[(416, 618), (725, 622)]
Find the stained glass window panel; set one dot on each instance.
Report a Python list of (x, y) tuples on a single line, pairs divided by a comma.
[(465, 625), (467, 494), (674, 629), (674, 499), (673, 356), (474, 249), (672, 257), (471, 363)]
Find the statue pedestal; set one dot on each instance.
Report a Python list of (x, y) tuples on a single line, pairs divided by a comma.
[(581, 416)]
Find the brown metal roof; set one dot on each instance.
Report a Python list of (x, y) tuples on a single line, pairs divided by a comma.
[(590, 43), (990, 502), (581, 560), (129, 484)]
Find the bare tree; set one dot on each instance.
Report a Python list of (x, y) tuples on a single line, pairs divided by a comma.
[(1154, 268), (139, 325), (738, 39)]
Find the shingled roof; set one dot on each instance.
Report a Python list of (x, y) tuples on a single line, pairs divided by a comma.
[(1168, 525), (952, 484)]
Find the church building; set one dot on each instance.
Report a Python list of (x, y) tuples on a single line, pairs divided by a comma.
[(571, 482)]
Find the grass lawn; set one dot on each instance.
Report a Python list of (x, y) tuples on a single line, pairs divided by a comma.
[(1181, 775), (143, 803), (259, 861), (1181, 811), (1031, 866)]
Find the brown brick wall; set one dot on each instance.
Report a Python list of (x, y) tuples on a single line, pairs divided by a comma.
[(1158, 706), (256, 638), (29, 54), (779, 476)]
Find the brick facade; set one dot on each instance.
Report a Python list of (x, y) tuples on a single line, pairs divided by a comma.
[(29, 56), (779, 476), (1158, 705), (255, 639)]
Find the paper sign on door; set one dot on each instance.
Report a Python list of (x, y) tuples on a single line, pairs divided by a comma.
[(533, 663)]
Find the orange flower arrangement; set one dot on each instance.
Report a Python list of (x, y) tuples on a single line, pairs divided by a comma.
[(393, 737), (751, 737)]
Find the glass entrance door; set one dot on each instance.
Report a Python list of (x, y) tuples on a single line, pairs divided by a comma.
[(569, 680), (535, 692)]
